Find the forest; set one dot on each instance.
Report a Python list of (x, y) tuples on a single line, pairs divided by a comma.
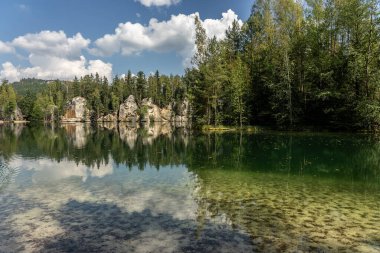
[(292, 64)]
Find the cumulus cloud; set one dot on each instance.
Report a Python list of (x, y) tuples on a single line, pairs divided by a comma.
[(51, 67), (176, 34), (218, 27), (53, 55), (52, 43), (5, 48), (158, 3)]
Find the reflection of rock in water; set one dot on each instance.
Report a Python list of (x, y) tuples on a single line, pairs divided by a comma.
[(152, 132), (17, 129), (128, 133), (77, 134), (6, 175), (108, 125), (166, 129)]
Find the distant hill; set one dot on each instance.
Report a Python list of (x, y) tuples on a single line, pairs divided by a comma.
[(31, 84)]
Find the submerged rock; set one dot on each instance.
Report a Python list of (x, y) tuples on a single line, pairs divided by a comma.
[(76, 111), (128, 111)]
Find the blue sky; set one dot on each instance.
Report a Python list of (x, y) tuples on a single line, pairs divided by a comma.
[(62, 38)]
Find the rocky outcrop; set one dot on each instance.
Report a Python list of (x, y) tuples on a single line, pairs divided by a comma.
[(76, 111), (147, 112), (17, 115), (167, 113), (128, 111), (182, 119), (151, 112), (108, 118)]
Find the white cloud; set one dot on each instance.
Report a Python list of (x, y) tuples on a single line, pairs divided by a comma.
[(174, 35), (9, 72), (53, 55), (218, 27), (52, 43), (51, 67), (150, 3), (5, 48)]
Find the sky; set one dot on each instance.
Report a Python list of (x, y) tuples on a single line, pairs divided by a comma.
[(61, 39)]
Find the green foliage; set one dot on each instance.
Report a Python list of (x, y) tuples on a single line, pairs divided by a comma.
[(48, 101), (292, 63), (303, 63), (8, 102)]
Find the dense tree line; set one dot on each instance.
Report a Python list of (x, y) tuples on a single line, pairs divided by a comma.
[(102, 97), (291, 63), (8, 101)]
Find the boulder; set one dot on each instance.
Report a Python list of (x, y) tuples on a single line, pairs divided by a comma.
[(167, 113), (108, 118), (184, 108), (151, 111), (17, 115), (182, 119), (76, 111), (128, 111)]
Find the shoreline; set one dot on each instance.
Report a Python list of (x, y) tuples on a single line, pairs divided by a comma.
[(13, 122)]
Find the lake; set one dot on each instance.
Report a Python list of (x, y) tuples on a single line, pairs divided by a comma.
[(109, 188)]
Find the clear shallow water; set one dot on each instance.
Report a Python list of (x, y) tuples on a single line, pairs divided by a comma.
[(77, 188)]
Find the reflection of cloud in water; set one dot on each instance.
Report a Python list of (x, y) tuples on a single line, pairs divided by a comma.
[(133, 210), (48, 170)]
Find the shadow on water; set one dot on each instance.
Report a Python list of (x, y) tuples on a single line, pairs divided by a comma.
[(92, 227)]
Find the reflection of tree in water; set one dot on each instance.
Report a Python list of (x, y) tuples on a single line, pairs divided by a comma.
[(342, 156), (94, 146), (271, 185), (287, 194)]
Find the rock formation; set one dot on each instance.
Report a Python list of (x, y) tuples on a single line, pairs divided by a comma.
[(112, 117), (76, 111), (182, 119), (128, 111), (152, 112), (17, 115), (147, 112), (167, 113)]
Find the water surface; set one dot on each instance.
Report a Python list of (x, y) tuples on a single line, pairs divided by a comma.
[(79, 188)]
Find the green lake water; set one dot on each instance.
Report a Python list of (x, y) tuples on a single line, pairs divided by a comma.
[(109, 188)]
